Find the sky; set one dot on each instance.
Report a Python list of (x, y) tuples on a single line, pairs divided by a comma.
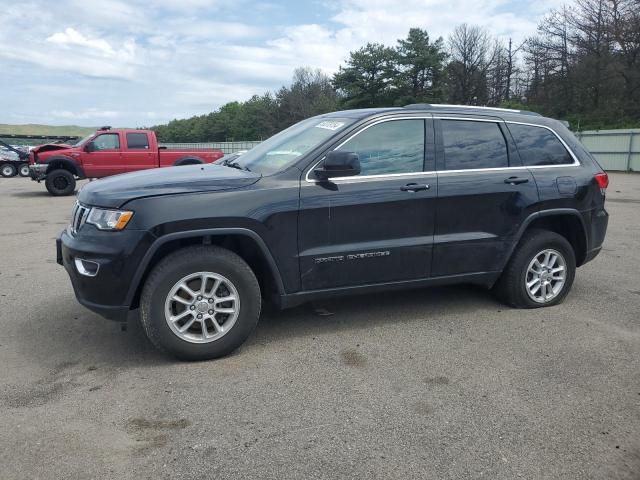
[(145, 62)]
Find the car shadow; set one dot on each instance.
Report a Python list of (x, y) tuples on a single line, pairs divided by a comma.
[(68, 332), (31, 194)]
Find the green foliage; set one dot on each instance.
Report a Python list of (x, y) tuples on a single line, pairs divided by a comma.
[(367, 79)]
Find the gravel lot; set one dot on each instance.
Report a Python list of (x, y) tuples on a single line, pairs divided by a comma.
[(439, 383)]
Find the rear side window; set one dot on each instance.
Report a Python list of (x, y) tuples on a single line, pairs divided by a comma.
[(137, 141), (469, 144), (539, 146), (395, 146)]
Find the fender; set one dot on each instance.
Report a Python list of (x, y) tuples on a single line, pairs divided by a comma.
[(188, 161), (142, 267), (542, 214), (68, 162)]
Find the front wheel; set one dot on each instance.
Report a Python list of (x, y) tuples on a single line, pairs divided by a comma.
[(24, 170), (200, 303), (540, 272), (60, 182), (8, 170)]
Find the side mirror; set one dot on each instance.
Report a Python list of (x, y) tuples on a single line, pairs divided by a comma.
[(90, 147), (338, 164)]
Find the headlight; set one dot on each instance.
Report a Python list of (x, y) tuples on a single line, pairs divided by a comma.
[(109, 219)]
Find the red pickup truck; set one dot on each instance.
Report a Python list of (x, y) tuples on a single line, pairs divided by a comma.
[(107, 152)]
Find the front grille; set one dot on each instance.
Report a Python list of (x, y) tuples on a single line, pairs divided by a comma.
[(78, 217)]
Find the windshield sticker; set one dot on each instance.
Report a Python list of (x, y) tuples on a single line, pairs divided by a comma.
[(330, 125)]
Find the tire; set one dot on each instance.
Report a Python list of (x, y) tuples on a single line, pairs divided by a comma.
[(60, 182), (8, 170), (157, 304), (512, 287), (23, 170)]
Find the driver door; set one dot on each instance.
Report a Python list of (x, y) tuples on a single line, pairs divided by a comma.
[(104, 157), (377, 226)]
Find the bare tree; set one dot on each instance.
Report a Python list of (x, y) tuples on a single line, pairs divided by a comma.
[(471, 55)]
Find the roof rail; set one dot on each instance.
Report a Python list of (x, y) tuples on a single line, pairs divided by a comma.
[(428, 106), (104, 128)]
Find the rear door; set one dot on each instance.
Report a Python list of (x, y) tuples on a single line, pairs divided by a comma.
[(106, 158), (484, 195), (377, 226), (137, 153)]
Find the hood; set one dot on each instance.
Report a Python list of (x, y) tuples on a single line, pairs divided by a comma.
[(115, 191), (49, 147)]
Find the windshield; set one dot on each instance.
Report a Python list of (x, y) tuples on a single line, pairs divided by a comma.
[(83, 140), (284, 148)]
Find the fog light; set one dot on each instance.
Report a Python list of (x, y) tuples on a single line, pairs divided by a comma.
[(86, 267)]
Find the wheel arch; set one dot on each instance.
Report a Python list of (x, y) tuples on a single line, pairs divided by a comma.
[(242, 241), (564, 221), (188, 161), (65, 163)]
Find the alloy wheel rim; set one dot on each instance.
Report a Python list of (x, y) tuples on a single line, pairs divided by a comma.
[(546, 276), (24, 171), (7, 170), (202, 307)]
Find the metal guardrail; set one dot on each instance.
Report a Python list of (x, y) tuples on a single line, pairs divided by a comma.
[(226, 147), (614, 149)]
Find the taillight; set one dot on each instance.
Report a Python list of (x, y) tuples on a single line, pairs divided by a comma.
[(602, 179)]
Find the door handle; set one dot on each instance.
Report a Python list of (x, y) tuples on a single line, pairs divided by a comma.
[(516, 180), (414, 187)]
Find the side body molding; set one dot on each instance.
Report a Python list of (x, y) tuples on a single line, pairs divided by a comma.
[(203, 233)]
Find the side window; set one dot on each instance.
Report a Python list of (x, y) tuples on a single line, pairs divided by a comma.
[(395, 146), (539, 146), (137, 141), (107, 141), (469, 144)]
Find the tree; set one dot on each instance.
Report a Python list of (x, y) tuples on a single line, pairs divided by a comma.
[(420, 68), (471, 57), (310, 93), (366, 79)]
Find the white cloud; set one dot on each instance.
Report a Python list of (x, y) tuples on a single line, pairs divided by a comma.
[(144, 61), (71, 36), (89, 113)]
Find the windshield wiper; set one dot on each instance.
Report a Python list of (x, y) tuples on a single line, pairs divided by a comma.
[(234, 164)]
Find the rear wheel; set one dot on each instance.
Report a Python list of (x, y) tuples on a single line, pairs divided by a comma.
[(24, 170), (60, 182), (8, 170), (540, 272), (200, 303)]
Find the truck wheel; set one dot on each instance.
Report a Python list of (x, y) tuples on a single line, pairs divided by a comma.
[(8, 170), (200, 303), (24, 170), (540, 272), (60, 182)]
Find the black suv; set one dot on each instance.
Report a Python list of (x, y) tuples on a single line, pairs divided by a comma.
[(349, 202)]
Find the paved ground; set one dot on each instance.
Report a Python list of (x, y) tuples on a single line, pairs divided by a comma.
[(441, 383)]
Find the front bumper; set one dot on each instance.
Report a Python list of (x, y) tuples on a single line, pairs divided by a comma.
[(118, 255), (37, 171)]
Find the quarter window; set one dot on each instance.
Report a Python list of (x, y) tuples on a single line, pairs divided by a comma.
[(108, 141), (395, 146), (468, 144), (539, 146), (137, 141)]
